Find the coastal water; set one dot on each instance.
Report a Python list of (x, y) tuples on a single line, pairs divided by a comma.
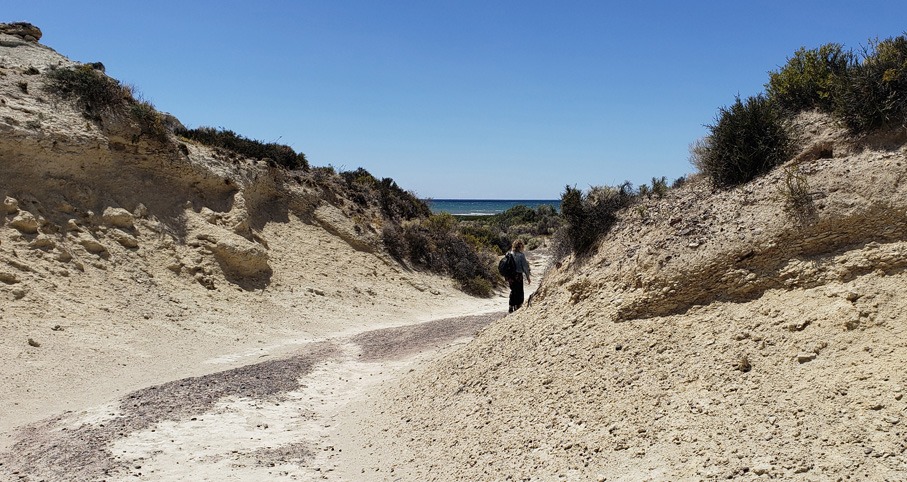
[(485, 207)]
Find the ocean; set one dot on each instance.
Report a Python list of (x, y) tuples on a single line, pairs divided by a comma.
[(485, 207)]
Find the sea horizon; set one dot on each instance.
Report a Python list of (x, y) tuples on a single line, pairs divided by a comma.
[(485, 207)]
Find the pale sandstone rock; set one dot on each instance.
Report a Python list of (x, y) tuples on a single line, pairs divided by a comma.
[(208, 215), (118, 218), (23, 30), (125, 239), (92, 246), (140, 211), (25, 223), (10, 205), (72, 225), (241, 256), (42, 242)]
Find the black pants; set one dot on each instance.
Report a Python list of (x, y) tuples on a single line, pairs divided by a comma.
[(516, 291)]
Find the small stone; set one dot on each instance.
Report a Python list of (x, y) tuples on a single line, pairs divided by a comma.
[(25, 223), (43, 242), (140, 211), (93, 246), (117, 217), (125, 239), (73, 225), (10, 205), (743, 364), (806, 357), (33, 343), (762, 469)]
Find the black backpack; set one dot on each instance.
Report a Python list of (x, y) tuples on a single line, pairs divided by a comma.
[(507, 266)]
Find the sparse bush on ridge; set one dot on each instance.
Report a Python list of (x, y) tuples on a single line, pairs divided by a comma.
[(497, 232), (866, 91), (810, 79), (874, 94), (747, 140), (412, 234), (282, 154), (95, 92), (410, 231), (99, 95), (591, 215), (396, 203), (434, 243)]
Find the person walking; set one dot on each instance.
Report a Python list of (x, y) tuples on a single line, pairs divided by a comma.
[(516, 282)]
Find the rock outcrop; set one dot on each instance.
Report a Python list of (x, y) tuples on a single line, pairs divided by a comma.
[(23, 30)]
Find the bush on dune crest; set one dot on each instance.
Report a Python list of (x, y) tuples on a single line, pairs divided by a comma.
[(748, 139), (591, 215), (867, 91), (99, 95), (434, 243), (811, 78), (875, 92), (281, 154)]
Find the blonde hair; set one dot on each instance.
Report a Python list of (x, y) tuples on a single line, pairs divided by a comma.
[(517, 245)]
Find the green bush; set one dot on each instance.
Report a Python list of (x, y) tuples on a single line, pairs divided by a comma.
[(875, 92), (399, 204), (283, 155), (497, 232), (99, 95), (810, 79), (396, 204), (659, 186), (150, 121), (436, 245), (478, 286), (95, 92), (591, 216), (747, 140)]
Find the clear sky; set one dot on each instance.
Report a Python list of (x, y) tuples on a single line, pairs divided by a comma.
[(458, 99)]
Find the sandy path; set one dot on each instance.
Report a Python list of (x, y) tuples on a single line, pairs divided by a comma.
[(265, 421), (283, 408)]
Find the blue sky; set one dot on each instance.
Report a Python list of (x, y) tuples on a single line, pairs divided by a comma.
[(458, 99)]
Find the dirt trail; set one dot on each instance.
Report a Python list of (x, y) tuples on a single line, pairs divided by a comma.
[(261, 421), (286, 418)]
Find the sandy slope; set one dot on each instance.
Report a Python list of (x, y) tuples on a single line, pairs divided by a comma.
[(715, 335)]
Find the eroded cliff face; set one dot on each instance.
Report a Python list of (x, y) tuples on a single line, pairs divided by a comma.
[(118, 248), (86, 194), (714, 334)]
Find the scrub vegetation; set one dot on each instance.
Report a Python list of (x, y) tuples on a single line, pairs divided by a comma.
[(865, 90)]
